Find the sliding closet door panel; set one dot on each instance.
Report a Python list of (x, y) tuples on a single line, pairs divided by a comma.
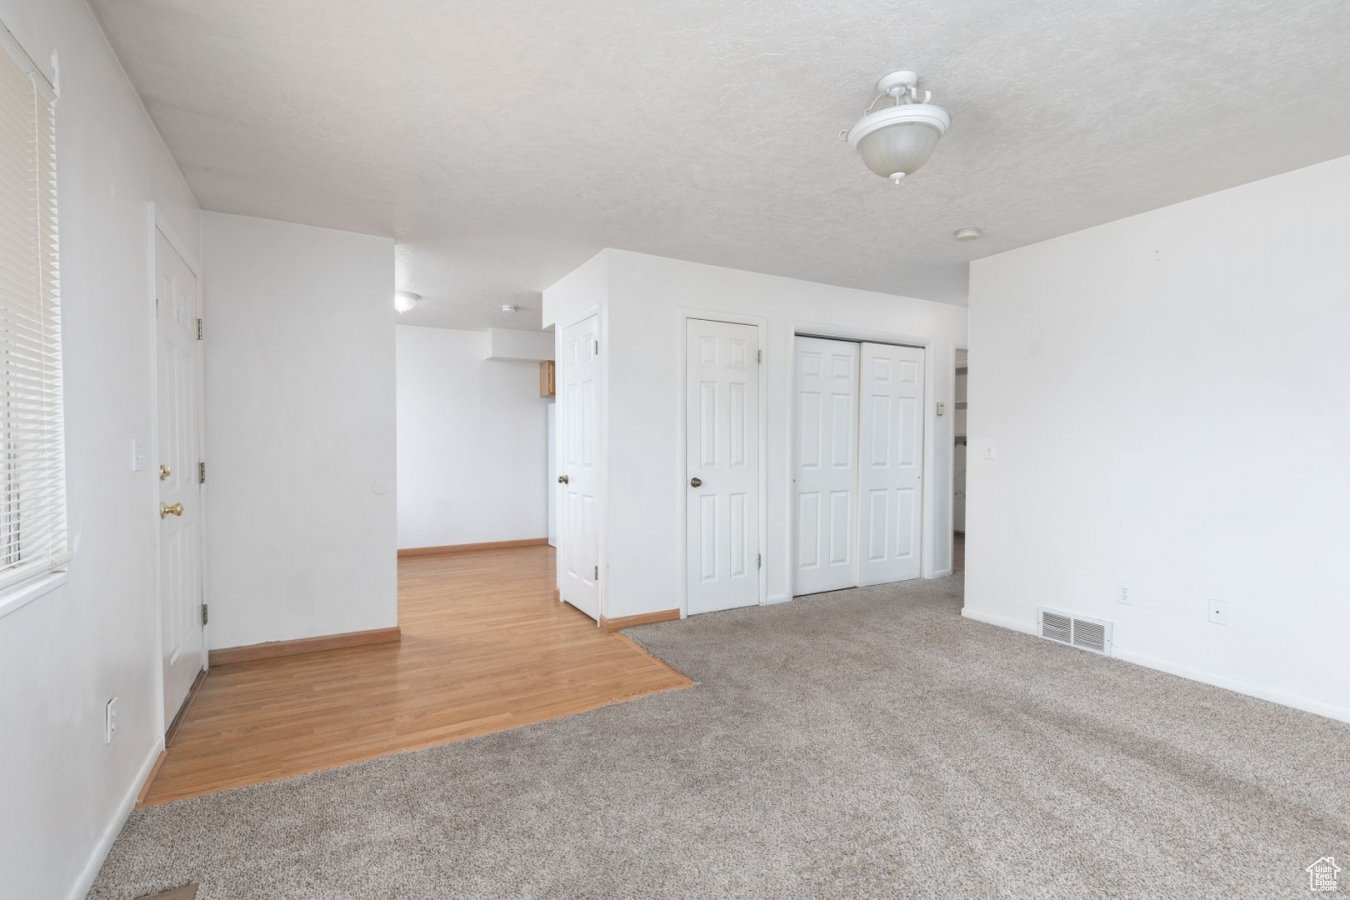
[(891, 463), (826, 485)]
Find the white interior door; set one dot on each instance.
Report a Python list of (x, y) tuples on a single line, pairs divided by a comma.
[(826, 483), (579, 399), (722, 462), (178, 390), (890, 468)]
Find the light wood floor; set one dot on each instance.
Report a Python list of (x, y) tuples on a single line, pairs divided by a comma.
[(485, 648)]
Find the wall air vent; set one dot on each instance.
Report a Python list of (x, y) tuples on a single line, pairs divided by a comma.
[(1076, 631)]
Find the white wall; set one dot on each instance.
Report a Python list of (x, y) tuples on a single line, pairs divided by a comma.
[(643, 298), (513, 344), (300, 430), (472, 442), (1167, 394), (63, 792)]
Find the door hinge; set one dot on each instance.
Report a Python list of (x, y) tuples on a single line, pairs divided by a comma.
[(759, 356), (597, 573), (204, 615), (201, 473), (759, 560), (199, 329)]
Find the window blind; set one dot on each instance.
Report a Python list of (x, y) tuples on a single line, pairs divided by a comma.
[(32, 453)]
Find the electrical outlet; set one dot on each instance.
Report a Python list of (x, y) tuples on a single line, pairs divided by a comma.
[(1218, 612), (1125, 593), (110, 721)]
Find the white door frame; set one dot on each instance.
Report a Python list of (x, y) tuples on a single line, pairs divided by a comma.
[(159, 225), (602, 450), (681, 441), (845, 333), (951, 470)]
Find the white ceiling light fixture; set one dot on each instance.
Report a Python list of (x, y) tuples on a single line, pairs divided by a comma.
[(966, 234), (896, 140), (405, 300), (510, 308)]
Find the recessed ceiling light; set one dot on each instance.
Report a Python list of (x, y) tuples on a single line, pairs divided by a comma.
[(510, 307), (405, 300), (966, 234)]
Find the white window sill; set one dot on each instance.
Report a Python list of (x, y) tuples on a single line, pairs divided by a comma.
[(20, 595)]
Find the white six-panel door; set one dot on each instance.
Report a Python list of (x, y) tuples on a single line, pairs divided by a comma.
[(579, 447), (890, 471), (858, 463), (827, 475), (178, 389), (722, 462)]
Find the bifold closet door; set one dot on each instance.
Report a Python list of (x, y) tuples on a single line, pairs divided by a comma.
[(890, 469), (826, 484)]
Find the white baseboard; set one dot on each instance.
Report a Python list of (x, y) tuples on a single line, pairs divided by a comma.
[(1284, 698), (941, 573), (776, 598), (105, 841), (1000, 621)]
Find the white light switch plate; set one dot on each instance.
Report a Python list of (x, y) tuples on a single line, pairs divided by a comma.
[(137, 456), (110, 721), (988, 449)]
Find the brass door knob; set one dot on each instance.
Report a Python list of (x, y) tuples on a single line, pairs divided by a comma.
[(696, 482), (167, 510), (164, 472), (563, 479)]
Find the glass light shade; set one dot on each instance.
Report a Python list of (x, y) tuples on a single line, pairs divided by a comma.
[(900, 148), (897, 140)]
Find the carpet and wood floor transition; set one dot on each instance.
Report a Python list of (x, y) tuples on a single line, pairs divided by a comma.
[(485, 648), (869, 743)]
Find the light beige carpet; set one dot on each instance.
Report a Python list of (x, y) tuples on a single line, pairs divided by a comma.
[(864, 744)]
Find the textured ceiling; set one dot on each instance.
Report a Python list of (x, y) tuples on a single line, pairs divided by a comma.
[(502, 142)]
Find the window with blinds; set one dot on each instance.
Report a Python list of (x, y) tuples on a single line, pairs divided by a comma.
[(32, 455)]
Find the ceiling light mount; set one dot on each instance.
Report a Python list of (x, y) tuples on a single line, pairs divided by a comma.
[(897, 84), (406, 300), (896, 140), (510, 308), (966, 234)]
